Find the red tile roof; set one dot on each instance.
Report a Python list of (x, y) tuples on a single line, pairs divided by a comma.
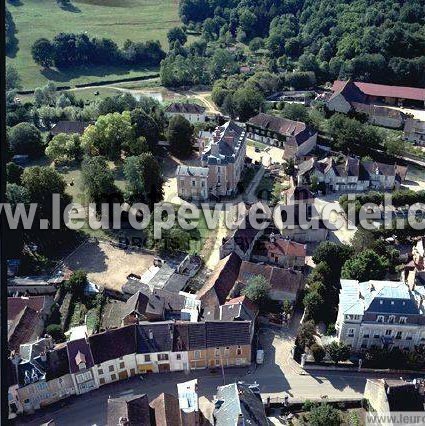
[(22, 328), (280, 279), (216, 289), (16, 304), (285, 247), (381, 90)]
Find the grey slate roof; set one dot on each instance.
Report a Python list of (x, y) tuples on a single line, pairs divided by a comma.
[(134, 408), (69, 127), (226, 153), (227, 333), (113, 344), (185, 108), (237, 404), (378, 297), (162, 337), (192, 171), (197, 336)]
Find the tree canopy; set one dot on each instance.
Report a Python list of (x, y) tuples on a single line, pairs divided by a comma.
[(180, 136)]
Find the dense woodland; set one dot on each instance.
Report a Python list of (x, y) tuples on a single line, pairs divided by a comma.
[(372, 40)]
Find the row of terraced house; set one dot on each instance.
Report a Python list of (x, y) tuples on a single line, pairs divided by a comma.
[(44, 373)]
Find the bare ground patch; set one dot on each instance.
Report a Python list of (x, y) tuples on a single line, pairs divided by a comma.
[(107, 265)]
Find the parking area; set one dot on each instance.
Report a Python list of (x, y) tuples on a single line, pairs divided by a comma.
[(107, 265)]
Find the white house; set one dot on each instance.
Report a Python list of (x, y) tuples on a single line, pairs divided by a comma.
[(194, 113), (380, 314)]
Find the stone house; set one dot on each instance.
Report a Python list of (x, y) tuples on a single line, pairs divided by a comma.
[(192, 182), (295, 137), (414, 131), (345, 173), (154, 346), (193, 113), (286, 284), (113, 354), (222, 162), (280, 251)]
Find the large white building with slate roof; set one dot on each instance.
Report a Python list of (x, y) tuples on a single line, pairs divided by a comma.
[(380, 314)]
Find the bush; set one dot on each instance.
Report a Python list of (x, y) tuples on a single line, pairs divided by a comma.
[(318, 352), (55, 330)]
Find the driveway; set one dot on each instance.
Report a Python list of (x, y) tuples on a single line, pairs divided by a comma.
[(340, 231)]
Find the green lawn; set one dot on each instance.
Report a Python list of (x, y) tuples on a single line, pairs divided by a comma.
[(138, 20)]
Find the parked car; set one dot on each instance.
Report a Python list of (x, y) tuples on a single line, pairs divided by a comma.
[(260, 356)]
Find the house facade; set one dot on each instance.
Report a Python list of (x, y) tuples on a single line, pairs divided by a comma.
[(193, 113), (192, 183), (345, 173), (295, 137), (383, 314)]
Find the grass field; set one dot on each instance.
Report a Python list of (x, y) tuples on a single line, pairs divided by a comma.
[(138, 20)]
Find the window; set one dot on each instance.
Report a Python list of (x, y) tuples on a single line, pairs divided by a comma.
[(217, 362), (100, 371), (203, 184), (111, 368), (350, 332), (197, 355), (147, 358), (391, 319), (178, 357), (217, 351), (380, 318), (162, 357), (193, 183), (388, 332), (122, 365), (408, 336), (239, 350), (113, 377), (366, 334), (376, 336), (84, 377), (398, 335), (102, 381), (402, 320)]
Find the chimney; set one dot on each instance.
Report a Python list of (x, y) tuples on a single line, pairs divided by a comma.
[(150, 334), (123, 421), (43, 356)]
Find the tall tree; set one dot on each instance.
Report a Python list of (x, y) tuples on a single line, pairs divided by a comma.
[(144, 179), (42, 53), (108, 135), (98, 179), (180, 136), (25, 139)]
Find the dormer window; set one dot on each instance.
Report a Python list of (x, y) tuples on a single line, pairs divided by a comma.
[(403, 320), (380, 318), (391, 319)]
